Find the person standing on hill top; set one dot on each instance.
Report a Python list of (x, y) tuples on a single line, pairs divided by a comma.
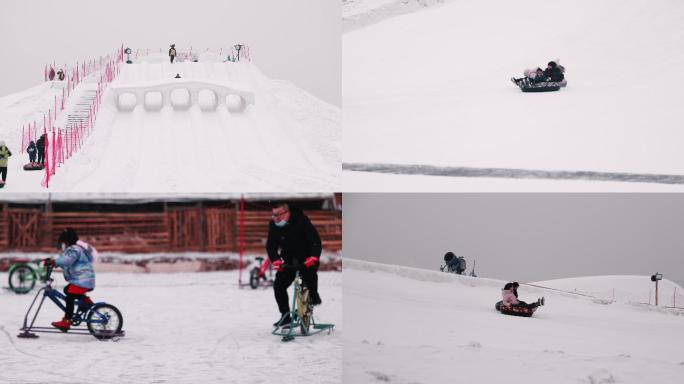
[(172, 52), (4, 156), (51, 74), (293, 245), (40, 146)]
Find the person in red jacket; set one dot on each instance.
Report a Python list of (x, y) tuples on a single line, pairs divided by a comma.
[(292, 241)]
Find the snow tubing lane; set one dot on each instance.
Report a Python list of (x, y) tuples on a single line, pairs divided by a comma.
[(514, 311), (511, 173)]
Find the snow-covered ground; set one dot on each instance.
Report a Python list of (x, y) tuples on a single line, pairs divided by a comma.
[(287, 141), (432, 87), (423, 326), (180, 328)]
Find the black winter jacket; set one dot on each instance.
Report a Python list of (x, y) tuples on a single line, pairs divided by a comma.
[(554, 74), (295, 241)]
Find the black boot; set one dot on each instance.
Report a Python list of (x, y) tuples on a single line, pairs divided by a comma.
[(315, 298), (283, 321)]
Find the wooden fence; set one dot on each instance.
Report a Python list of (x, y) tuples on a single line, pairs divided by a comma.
[(180, 229)]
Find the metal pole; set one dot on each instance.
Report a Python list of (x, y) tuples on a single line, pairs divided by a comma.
[(656, 296)]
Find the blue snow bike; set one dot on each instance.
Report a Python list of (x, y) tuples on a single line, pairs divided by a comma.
[(102, 320)]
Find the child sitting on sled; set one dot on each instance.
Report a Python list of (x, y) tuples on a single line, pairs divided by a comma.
[(510, 297), (76, 261)]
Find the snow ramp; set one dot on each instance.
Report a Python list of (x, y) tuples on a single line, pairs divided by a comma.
[(422, 326), (432, 88), (220, 127)]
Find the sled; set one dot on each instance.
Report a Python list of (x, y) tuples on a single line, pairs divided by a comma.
[(514, 311), (34, 167), (546, 86)]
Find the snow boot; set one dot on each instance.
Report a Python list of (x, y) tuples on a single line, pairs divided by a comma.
[(315, 298), (63, 325), (542, 300), (283, 321)]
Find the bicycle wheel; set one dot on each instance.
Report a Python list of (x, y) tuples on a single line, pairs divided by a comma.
[(254, 278), (104, 321), (304, 310), (22, 279)]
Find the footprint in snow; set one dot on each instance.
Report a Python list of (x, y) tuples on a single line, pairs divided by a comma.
[(474, 344)]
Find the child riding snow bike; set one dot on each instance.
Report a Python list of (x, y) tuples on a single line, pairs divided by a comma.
[(103, 321)]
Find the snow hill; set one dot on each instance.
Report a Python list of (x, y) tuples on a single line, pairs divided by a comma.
[(180, 328), (287, 140), (432, 88), (423, 326)]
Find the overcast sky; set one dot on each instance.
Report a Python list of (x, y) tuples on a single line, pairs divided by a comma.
[(295, 40), (523, 237)]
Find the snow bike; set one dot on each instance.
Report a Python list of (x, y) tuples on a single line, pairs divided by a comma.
[(301, 314), (34, 167), (526, 85), (23, 276), (103, 321), (513, 310), (259, 276)]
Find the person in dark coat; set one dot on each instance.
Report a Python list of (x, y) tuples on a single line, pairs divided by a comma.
[(293, 244), (172, 52), (51, 74), (40, 146), (31, 150), (553, 72)]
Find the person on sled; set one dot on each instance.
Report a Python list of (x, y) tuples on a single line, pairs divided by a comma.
[(532, 76), (292, 240), (554, 72), (76, 262), (510, 297)]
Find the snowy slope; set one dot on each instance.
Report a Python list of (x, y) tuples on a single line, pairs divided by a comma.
[(288, 141), (432, 87), (429, 327), (180, 328)]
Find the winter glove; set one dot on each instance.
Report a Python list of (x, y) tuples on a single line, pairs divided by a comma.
[(278, 265), (311, 261)]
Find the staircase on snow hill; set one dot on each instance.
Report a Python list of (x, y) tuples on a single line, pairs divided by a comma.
[(79, 114)]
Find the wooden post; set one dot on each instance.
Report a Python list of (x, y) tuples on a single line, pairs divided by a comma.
[(656, 294)]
